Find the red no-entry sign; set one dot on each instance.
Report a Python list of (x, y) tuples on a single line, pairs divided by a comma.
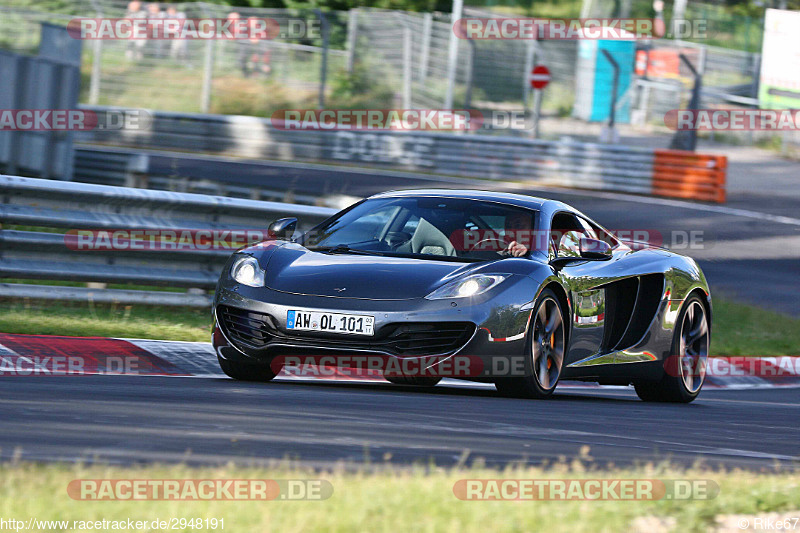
[(540, 77)]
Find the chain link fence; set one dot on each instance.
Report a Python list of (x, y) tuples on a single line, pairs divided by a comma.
[(378, 59)]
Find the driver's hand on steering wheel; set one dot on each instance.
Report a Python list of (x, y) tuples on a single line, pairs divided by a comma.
[(516, 249)]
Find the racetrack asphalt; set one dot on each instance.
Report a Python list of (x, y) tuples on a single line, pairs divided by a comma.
[(129, 420)]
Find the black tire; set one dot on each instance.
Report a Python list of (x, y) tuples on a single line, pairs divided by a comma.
[(246, 371), (683, 377), (544, 356), (416, 381)]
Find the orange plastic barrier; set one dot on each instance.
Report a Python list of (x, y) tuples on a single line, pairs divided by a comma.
[(680, 174)]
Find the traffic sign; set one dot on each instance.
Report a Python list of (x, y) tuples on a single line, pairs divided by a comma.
[(540, 77)]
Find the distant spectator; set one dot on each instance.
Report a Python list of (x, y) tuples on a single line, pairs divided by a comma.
[(259, 56), (154, 13), (135, 46), (177, 47), (242, 47)]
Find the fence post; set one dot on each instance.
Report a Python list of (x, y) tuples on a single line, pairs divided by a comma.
[(352, 36), (678, 15), (323, 74), (687, 140), (406, 68), (470, 74), (94, 82), (530, 53), (427, 20), (452, 54), (208, 67), (97, 52), (615, 87)]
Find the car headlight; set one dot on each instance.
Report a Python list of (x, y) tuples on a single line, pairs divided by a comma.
[(247, 272), (465, 287)]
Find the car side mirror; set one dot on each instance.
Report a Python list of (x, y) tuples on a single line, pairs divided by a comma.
[(595, 249), (282, 229)]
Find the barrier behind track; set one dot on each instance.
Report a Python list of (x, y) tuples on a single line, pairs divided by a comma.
[(560, 163), (58, 206)]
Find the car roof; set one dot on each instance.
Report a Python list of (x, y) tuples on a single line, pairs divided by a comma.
[(519, 200)]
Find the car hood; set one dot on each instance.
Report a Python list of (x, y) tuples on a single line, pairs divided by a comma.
[(295, 269)]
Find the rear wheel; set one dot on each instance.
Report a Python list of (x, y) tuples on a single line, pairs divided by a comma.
[(547, 345), (417, 381), (686, 370), (246, 371)]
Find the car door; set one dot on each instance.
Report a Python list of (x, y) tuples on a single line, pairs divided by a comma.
[(586, 280)]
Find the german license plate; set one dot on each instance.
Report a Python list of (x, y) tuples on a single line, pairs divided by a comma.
[(307, 320)]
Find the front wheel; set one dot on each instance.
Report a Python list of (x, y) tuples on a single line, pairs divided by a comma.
[(685, 368), (547, 345), (246, 371)]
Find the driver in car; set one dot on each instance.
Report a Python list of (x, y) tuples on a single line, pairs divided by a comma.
[(518, 228)]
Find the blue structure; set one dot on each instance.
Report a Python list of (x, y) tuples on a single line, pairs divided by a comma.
[(594, 79)]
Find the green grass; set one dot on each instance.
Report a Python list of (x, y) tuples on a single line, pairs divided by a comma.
[(105, 320), (738, 329), (387, 499), (745, 330)]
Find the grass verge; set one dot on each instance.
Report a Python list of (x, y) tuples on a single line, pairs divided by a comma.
[(738, 329), (387, 499), (105, 320)]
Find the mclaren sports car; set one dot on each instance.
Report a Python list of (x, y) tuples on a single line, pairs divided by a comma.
[(508, 289)]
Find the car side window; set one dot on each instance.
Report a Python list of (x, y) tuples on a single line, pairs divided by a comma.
[(588, 230), (565, 233), (600, 233)]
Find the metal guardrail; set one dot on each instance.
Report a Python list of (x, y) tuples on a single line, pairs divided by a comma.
[(561, 163), (134, 168), (537, 162), (62, 206)]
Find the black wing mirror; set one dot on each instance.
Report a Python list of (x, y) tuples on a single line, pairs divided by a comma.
[(282, 229), (595, 249)]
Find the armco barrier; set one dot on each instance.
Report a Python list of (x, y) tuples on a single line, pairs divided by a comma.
[(689, 175), (67, 206), (538, 162)]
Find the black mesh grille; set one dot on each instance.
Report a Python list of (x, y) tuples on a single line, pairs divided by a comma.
[(257, 330), (244, 327)]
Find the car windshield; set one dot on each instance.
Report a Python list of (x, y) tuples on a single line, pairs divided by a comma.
[(455, 229)]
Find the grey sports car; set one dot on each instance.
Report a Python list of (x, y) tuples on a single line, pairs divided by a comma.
[(509, 289)]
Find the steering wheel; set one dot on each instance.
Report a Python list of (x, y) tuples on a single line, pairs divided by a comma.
[(395, 239), (488, 239)]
